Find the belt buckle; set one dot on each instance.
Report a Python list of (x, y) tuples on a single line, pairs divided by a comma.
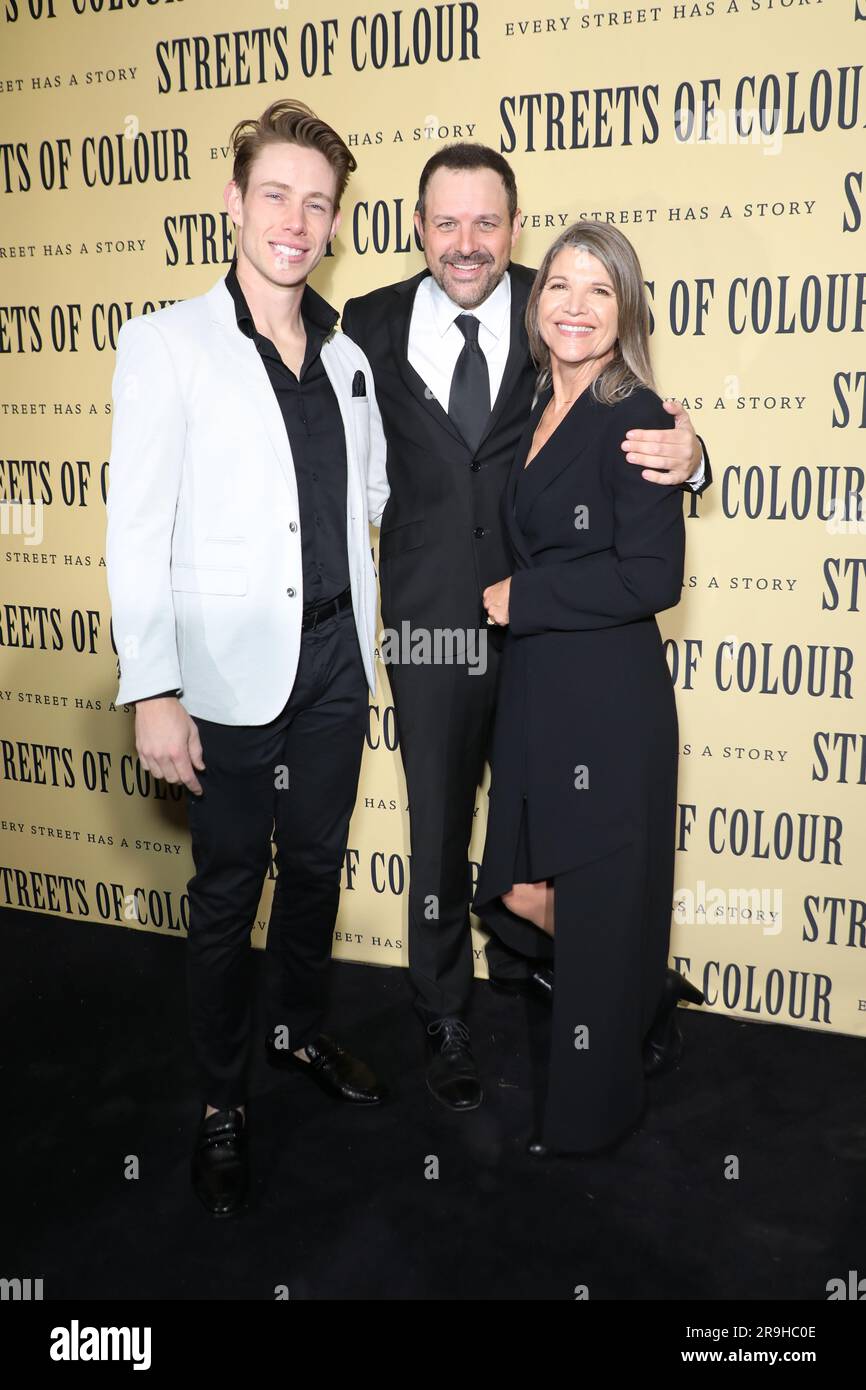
[(315, 622)]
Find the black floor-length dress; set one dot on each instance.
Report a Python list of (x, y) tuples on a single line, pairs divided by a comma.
[(584, 759)]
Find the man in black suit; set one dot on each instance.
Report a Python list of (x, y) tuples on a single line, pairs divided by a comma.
[(455, 381)]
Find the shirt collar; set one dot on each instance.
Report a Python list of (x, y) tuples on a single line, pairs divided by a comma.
[(316, 312), (493, 313)]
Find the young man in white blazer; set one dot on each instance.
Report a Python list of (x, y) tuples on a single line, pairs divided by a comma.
[(247, 462)]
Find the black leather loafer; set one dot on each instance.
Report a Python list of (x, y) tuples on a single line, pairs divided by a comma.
[(220, 1166), (538, 984), (331, 1068), (663, 1044), (452, 1073)]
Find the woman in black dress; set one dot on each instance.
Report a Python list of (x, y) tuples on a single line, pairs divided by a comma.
[(580, 832)]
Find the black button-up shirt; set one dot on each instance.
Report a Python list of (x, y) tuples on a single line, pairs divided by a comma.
[(315, 428)]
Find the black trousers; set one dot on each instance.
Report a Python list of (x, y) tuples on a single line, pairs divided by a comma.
[(294, 780), (444, 721), (610, 944)]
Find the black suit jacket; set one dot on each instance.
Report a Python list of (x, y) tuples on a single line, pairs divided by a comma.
[(442, 541), (444, 498)]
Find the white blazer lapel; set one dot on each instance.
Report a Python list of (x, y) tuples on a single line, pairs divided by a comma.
[(339, 371), (243, 358)]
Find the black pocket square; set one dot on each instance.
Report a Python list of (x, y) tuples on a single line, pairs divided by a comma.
[(359, 384)]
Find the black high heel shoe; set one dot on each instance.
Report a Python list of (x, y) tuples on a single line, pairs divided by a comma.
[(536, 1148), (663, 1044)]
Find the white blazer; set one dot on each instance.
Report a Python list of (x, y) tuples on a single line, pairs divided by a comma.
[(203, 547)]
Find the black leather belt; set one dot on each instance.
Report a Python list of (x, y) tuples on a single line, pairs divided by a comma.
[(319, 612)]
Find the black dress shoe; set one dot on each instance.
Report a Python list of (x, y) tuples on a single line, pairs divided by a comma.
[(663, 1044), (330, 1067), (220, 1167), (538, 984), (452, 1075)]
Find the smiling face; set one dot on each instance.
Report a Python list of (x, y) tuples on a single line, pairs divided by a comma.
[(287, 217), (467, 232), (577, 309)]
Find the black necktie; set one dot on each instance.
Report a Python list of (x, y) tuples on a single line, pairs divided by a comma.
[(469, 401)]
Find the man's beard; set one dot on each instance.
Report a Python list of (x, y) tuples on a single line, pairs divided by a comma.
[(469, 296)]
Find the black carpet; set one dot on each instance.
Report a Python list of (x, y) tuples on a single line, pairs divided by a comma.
[(96, 1069)]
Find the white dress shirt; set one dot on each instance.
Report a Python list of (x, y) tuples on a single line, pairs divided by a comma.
[(435, 341)]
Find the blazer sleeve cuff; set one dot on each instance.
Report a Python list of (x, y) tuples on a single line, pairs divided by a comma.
[(522, 596)]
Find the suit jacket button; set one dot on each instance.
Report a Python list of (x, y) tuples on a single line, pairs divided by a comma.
[(291, 593), (479, 532), (293, 526), (475, 467)]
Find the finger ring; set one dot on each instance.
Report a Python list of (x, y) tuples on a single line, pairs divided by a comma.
[(490, 622)]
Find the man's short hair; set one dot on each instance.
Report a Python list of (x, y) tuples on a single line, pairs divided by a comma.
[(292, 121), (469, 156)]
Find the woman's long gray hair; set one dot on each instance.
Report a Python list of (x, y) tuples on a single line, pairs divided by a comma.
[(631, 365)]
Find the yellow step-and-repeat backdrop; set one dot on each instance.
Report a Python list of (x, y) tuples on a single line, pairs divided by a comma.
[(726, 138)]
